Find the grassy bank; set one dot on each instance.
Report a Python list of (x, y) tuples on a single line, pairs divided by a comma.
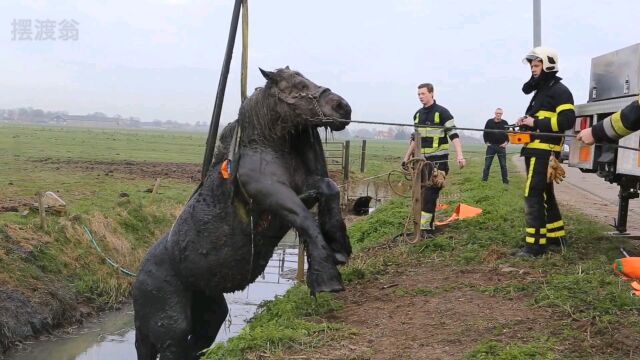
[(593, 315), (53, 275)]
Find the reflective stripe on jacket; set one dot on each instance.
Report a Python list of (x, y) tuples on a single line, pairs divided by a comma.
[(435, 141), (553, 111), (618, 125)]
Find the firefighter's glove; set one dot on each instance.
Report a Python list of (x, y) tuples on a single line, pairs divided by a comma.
[(555, 172), (437, 178)]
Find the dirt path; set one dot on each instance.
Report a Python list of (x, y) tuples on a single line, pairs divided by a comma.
[(130, 169), (420, 311)]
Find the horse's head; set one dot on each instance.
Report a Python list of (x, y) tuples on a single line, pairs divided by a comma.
[(307, 101)]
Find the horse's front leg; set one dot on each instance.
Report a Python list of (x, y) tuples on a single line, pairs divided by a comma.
[(332, 224), (323, 274)]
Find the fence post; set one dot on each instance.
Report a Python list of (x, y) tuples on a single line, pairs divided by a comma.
[(300, 272), (41, 210), (363, 155), (416, 196), (345, 165)]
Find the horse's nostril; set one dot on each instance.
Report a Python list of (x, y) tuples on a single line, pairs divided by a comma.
[(342, 107)]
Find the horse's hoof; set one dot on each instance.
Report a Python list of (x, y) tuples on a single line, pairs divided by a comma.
[(333, 288), (323, 282), (341, 258)]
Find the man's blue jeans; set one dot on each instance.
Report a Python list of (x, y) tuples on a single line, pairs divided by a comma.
[(493, 150)]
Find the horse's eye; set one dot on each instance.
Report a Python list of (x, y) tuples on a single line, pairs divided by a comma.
[(301, 85)]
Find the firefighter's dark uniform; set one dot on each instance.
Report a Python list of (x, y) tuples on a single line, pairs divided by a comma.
[(553, 111), (435, 148), (619, 125)]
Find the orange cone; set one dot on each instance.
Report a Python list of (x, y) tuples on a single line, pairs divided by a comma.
[(462, 211)]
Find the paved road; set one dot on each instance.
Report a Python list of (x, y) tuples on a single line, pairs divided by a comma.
[(593, 196)]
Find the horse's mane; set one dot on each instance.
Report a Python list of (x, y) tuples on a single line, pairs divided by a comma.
[(265, 119)]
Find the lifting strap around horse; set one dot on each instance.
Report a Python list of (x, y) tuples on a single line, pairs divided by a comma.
[(222, 84)]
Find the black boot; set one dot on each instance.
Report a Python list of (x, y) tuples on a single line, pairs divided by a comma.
[(426, 234), (557, 242), (530, 251)]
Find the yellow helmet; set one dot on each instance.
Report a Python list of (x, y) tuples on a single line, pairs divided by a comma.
[(548, 57)]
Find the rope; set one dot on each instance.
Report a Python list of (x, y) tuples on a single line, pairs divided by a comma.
[(245, 50), (109, 261), (327, 119)]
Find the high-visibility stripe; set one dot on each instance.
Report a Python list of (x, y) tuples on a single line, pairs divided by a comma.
[(543, 114), (539, 231), (555, 224), (618, 126), (608, 129), (432, 132), (532, 240), (433, 150), (425, 220), (536, 144), (565, 107), (554, 124), (436, 118), (553, 118), (532, 162), (556, 234), (439, 152), (417, 118)]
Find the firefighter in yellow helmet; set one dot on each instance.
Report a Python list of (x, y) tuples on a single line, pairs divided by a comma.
[(617, 126), (550, 111)]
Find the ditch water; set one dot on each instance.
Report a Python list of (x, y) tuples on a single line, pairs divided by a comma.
[(112, 335)]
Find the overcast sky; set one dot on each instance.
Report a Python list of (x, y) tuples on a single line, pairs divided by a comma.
[(161, 59)]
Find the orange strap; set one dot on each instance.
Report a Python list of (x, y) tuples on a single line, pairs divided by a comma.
[(225, 169)]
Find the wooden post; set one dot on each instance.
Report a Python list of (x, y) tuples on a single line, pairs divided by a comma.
[(416, 196), (156, 186), (300, 272), (363, 155), (345, 159), (41, 209)]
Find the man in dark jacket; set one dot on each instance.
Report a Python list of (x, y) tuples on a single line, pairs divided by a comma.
[(496, 145), (551, 110)]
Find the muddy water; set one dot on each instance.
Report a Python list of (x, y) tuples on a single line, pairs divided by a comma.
[(112, 336)]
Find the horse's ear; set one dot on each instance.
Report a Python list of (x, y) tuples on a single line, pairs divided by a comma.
[(287, 67), (269, 75)]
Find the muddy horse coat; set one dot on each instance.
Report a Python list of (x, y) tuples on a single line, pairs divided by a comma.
[(227, 232)]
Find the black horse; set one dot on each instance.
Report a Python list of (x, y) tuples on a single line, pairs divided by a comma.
[(227, 232)]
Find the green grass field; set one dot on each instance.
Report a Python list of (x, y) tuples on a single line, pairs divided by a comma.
[(578, 284)]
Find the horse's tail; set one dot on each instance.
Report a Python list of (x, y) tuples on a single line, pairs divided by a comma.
[(145, 349)]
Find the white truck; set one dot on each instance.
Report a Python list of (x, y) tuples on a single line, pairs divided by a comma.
[(615, 82)]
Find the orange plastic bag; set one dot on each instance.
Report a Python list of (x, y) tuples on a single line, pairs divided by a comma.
[(627, 268), (462, 211)]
